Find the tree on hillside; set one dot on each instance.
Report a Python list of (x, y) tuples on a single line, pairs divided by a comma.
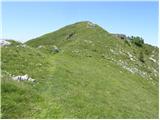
[(137, 41)]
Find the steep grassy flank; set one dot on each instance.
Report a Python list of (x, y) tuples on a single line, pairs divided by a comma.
[(95, 75)]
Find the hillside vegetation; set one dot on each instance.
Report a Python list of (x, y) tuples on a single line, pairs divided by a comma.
[(80, 71)]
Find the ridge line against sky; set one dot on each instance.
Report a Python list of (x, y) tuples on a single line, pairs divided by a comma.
[(116, 17)]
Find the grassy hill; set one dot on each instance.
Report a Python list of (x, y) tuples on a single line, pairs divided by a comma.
[(94, 74)]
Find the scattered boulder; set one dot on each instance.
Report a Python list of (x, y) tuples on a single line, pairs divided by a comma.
[(40, 46), (112, 50), (23, 78), (32, 80), (4, 43), (91, 25), (130, 56), (55, 49), (152, 59), (70, 35), (121, 36)]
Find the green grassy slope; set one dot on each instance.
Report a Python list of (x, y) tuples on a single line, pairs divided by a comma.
[(95, 75), (88, 39)]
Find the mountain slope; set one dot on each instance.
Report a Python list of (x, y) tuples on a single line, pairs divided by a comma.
[(92, 75), (92, 40)]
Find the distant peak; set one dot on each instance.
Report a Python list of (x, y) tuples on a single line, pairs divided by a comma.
[(88, 24), (84, 22)]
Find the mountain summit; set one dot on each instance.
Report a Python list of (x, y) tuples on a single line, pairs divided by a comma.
[(70, 32), (80, 71)]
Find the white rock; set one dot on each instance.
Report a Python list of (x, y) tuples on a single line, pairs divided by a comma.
[(23, 78), (112, 50), (55, 49), (152, 59), (4, 43), (32, 80), (40, 46), (91, 25)]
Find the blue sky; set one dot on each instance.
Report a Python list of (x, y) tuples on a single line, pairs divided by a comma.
[(26, 20)]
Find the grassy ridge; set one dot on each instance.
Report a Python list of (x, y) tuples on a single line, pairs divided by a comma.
[(83, 80)]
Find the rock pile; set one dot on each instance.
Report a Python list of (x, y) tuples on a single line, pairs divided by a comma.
[(23, 78)]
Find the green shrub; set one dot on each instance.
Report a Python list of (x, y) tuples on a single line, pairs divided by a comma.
[(137, 41)]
